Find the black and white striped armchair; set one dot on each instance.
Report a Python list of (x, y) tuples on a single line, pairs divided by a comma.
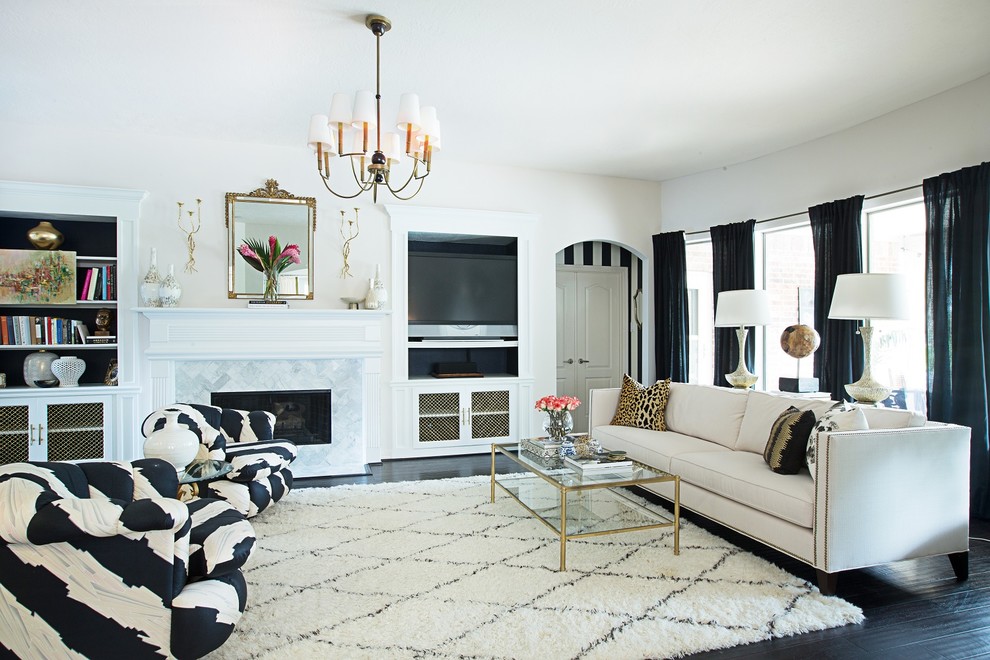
[(101, 560), (260, 475)]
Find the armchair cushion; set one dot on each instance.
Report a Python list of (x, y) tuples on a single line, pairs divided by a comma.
[(257, 460), (247, 425), (220, 541)]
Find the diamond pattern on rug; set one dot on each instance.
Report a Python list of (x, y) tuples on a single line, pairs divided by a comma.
[(433, 569)]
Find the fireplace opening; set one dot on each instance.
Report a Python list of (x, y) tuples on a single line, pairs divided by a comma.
[(302, 416)]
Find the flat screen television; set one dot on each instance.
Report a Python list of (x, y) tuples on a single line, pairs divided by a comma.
[(460, 294)]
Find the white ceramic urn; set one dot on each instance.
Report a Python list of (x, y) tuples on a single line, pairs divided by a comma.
[(68, 369), (174, 442)]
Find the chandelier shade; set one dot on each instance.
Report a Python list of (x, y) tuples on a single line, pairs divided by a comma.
[(356, 131)]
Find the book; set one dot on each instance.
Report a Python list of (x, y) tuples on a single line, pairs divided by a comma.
[(85, 287), (81, 331), (595, 464)]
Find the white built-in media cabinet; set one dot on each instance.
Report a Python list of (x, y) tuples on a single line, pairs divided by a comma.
[(459, 415)]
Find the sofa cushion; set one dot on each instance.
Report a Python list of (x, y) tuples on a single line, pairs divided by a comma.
[(788, 441), (892, 418), (840, 417), (654, 448), (642, 407), (762, 410), (707, 412), (744, 477)]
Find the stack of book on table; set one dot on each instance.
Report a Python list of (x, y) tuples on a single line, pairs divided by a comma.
[(598, 463)]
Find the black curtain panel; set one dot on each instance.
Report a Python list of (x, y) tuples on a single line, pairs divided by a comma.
[(957, 205), (837, 234), (733, 267), (670, 313)]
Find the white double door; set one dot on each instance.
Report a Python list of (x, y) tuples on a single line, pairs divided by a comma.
[(592, 332)]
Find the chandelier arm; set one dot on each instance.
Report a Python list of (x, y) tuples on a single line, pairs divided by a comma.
[(337, 194), (395, 193)]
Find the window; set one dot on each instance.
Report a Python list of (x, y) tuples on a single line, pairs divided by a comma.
[(894, 238), (789, 278), (701, 313)]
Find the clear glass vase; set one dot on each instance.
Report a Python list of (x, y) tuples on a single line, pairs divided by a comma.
[(271, 286), (558, 424)]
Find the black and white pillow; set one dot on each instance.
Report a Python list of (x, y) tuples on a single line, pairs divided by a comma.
[(784, 452), (843, 416)]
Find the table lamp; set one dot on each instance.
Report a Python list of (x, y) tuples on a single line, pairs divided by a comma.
[(739, 309), (869, 297)]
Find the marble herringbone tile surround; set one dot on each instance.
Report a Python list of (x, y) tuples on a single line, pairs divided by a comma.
[(196, 380)]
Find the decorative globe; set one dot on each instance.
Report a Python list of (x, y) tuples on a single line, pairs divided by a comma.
[(799, 340)]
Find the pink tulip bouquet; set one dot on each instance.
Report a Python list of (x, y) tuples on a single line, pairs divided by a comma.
[(269, 258), (552, 404)]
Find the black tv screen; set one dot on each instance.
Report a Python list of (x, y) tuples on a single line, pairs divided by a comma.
[(462, 289)]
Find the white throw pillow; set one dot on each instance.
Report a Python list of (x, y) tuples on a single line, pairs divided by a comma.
[(840, 417)]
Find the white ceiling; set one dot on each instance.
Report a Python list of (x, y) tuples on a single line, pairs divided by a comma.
[(644, 89)]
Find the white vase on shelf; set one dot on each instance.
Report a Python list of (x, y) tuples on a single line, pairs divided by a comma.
[(169, 290), (152, 281), (68, 369)]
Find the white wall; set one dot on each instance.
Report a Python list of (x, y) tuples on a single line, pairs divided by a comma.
[(571, 208), (940, 134)]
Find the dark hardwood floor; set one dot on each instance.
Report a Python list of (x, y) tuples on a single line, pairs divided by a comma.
[(914, 609)]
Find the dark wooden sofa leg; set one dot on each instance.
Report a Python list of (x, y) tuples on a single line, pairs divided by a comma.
[(960, 565), (827, 582)]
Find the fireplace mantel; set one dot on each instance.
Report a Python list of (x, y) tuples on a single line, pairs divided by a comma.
[(183, 333), (194, 351)]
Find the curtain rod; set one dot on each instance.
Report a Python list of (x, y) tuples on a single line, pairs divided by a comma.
[(794, 215)]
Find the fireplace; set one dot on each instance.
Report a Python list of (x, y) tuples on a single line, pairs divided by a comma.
[(302, 416), (193, 353)]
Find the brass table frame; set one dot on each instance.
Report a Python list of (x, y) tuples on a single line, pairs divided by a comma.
[(512, 451)]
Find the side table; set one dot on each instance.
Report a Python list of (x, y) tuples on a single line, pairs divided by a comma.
[(197, 471)]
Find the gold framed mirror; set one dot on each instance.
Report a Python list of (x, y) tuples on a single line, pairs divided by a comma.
[(270, 211)]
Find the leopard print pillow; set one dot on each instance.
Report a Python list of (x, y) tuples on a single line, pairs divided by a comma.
[(642, 407)]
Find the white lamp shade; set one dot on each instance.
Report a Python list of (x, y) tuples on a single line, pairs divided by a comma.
[(319, 133), (390, 145), (357, 146), (743, 307), (340, 109), (409, 115), (859, 296), (430, 126), (364, 109)]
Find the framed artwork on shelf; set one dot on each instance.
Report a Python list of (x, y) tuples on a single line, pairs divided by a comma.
[(111, 377), (40, 277)]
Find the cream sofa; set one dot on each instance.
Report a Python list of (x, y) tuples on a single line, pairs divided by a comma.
[(899, 490)]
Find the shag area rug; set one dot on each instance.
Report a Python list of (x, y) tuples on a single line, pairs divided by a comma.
[(432, 569)]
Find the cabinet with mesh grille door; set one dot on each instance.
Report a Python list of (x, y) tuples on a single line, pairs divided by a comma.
[(464, 414), (73, 428)]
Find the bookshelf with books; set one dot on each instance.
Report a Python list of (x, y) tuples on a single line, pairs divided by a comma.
[(70, 327)]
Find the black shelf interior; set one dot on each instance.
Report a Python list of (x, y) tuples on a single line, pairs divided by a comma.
[(491, 361), (90, 238)]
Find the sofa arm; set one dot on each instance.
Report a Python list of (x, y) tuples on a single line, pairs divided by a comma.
[(891, 494), (601, 406)]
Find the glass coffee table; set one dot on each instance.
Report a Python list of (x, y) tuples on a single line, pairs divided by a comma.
[(578, 504)]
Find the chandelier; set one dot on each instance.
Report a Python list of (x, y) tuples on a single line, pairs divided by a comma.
[(347, 125)]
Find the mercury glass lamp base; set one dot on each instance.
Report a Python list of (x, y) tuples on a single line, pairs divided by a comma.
[(742, 379), (867, 391)]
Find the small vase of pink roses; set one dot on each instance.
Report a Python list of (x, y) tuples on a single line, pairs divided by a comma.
[(559, 422)]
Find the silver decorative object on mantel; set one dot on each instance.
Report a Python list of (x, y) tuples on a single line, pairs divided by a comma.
[(371, 300), (152, 281), (169, 291), (381, 295)]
